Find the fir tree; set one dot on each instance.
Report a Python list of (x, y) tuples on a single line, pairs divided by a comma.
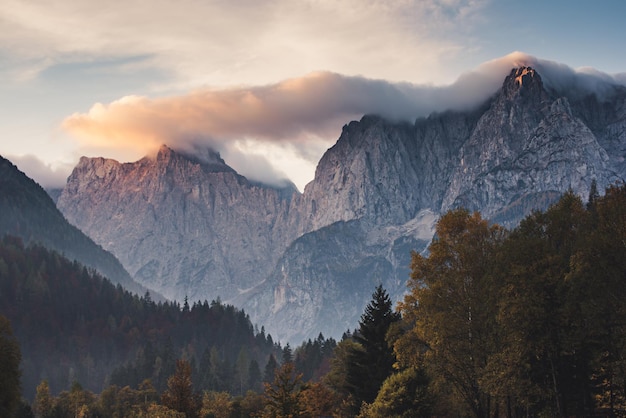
[(369, 367), (270, 369)]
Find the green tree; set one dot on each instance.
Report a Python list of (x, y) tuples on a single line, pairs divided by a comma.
[(10, 357), (337, 377), (368, 368), (254, 375), (543, 363), (287, 355), (242, 371), (179, 394), (270, 369), (450, 309), (597, 290)]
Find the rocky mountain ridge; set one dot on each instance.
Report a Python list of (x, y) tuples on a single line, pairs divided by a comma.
[(305, 263), (169, 220)]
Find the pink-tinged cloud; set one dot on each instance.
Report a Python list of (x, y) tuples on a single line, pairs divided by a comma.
[(292, 110), (300, 112)]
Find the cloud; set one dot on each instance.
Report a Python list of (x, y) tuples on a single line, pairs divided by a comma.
[(300, 113), (46, 175), (217, 42)]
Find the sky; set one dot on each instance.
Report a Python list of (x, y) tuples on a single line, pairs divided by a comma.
[(268, 84)]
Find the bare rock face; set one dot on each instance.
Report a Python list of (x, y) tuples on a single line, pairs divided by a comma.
[(185, 227), (384, 173), (527, 142), (301, 264)]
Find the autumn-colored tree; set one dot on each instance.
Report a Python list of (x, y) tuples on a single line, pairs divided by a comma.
[(312, 358), (161, 411), (116, 402), (179, 394), (43, 404), (77, 402), (403, 395), (451, 307), (318, 400), (283, 395), (216, 405), (250, 405)]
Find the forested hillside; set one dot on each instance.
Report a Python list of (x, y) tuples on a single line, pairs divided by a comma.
[(29, 213), (75, 326)]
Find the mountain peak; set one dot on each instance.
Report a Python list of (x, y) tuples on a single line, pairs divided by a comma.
[(203, 156), (525, 82), (164, 152), (524, 75)]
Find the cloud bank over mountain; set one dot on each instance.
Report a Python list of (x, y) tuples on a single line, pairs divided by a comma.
[(303, 115)]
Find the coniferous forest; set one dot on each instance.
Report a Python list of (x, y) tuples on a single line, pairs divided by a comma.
[(529, 322)]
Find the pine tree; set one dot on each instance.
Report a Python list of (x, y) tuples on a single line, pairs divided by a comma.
[(270, 369), (287, 354), (368, 368), (254, 375), (242, 371)]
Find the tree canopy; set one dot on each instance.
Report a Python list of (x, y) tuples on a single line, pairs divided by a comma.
[(526, 323)]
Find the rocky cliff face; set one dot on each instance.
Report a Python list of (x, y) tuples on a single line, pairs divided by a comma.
[(308, 263), (384, 173), (527, 142), (183, 226)]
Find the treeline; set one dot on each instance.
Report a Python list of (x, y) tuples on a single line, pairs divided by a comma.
[(530, 322), (75, 326)]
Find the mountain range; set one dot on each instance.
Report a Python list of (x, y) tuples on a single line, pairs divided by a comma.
[(188, 226)]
